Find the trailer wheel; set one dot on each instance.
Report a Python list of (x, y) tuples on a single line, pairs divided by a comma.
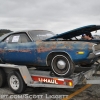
[(2, 78), (15, 82), (62, 66)]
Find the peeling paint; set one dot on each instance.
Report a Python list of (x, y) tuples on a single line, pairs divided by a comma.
[(44, 49), (2, 50), (19, 51), (68, 45)]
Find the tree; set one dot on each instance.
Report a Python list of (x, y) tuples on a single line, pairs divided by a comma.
[(4, 31)]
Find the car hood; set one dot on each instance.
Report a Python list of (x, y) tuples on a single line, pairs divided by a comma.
[(76, 32)]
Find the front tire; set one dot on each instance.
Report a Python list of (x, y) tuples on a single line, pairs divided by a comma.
[(61, 65), (15, 82)]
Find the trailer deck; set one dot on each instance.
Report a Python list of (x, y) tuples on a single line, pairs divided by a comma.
[(37, 78)]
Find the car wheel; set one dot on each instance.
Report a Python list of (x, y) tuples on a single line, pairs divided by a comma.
[(62, 66), (15, 82), (2, 78)]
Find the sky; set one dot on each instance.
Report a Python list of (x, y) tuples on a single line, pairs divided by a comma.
[(54, 15)]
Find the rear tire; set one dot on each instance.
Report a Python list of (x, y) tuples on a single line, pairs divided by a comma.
[(61, 65), (16, 83), (2, 78)]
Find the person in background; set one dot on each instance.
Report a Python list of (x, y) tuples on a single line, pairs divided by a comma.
[(87, 36)]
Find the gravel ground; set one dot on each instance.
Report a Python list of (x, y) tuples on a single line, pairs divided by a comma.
[(92, 93), (42, 93)]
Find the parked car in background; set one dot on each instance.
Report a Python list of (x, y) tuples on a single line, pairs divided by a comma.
[(42, 48), (96, 37)]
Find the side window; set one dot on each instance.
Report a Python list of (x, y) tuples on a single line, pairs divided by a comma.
[(18, 38), (24, 38), (8, 39)]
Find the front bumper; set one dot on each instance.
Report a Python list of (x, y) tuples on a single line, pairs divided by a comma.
[(91, 55), (96, 51)]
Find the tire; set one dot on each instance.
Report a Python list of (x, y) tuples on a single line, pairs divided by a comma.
[(61, 65), (19, 86), (2, 78)]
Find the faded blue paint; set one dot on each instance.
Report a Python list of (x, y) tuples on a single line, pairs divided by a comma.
[(20, 53), (75, 47), (36, 52)]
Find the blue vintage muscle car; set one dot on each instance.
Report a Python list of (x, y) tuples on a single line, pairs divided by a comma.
[(41, 48)]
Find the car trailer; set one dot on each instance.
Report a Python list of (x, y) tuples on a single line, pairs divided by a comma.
[(19, 77)]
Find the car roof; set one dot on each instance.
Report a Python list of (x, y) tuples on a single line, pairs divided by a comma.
[(27, 31)]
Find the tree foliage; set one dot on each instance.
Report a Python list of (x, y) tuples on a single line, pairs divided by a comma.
[(4, 31)]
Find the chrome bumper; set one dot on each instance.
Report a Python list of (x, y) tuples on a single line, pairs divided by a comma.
[(96, 50), (91, 55)]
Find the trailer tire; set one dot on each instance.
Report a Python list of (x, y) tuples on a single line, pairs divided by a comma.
[(16, 83), (62, 65), (2, 78)]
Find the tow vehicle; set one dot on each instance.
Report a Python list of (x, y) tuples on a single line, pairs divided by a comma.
[(19, 77)]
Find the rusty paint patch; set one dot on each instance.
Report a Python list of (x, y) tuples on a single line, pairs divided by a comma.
[(44, 49), (19, 51), (68, 45), (46, 46), (2, 51), (24, 50)]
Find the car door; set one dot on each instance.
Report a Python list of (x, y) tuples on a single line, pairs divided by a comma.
[(20, 49)]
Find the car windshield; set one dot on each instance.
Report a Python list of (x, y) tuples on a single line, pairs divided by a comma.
[(41, 34)]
